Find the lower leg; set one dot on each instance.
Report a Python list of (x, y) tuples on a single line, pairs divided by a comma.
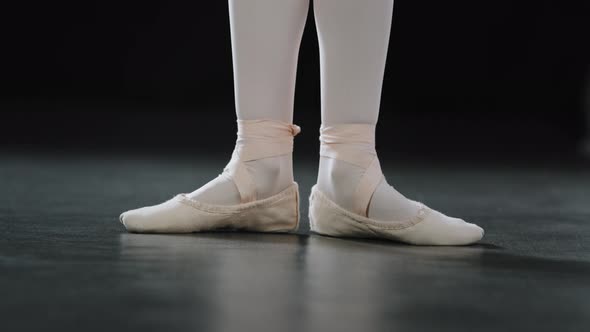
[(265, 37), (354, 37)]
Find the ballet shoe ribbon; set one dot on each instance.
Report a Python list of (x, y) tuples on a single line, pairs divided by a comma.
[(258, 139), (351, 142), (354, 143)]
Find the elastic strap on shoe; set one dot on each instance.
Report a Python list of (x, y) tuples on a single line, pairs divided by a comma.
[(258, 139), (354, 143)]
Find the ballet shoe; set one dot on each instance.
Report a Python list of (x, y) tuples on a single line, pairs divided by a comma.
[(428, 227), (257, 139), (181, 214), (354, 143)]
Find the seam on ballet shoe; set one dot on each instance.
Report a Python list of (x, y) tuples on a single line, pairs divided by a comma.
[(297, 212), (239, 208), (423, 212)]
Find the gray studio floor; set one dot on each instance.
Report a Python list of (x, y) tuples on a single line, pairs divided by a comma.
[(67, 264)]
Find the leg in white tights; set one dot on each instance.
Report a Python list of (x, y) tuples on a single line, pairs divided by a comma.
[(256, 190), (353, 37), (265, 36)]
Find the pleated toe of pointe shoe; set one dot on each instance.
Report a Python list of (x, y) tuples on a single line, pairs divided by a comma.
[(428, 227), (181, 214)]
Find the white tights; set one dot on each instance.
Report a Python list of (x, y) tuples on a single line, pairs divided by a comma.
[(353, 37)]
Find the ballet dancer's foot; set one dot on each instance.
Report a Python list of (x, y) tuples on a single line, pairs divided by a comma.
[(353, 199), (255, 191)]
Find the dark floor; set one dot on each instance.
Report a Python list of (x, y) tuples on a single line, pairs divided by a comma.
[(67, 264)]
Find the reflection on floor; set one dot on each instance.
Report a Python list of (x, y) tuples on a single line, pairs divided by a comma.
[(67, 264)]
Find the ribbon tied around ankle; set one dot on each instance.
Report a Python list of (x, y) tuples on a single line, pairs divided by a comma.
[(258, 139), (354, 143)]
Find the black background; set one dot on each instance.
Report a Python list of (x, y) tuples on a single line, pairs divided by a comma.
[(493, 78)]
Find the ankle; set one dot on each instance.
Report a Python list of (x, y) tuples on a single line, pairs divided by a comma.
[(338, 180), (271, 175), (261, 164)]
